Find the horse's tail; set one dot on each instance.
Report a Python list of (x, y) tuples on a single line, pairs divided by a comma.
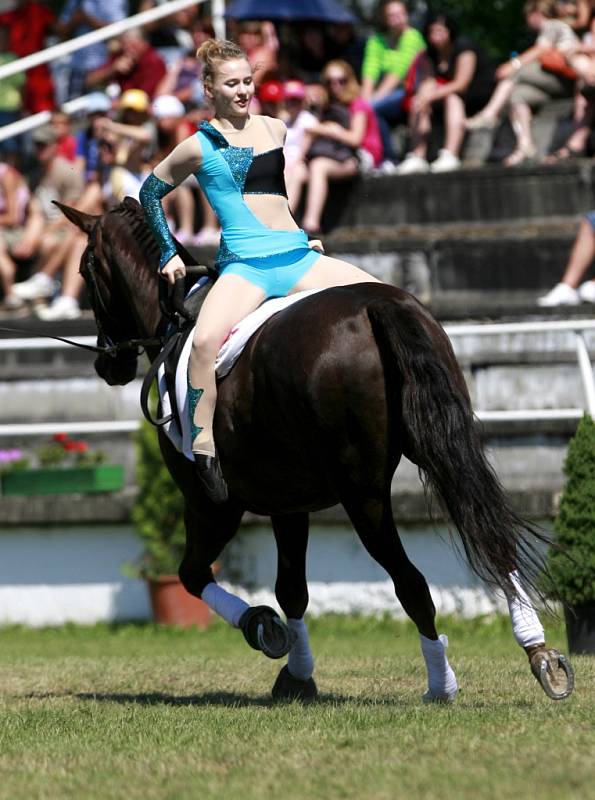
[(442, 439)]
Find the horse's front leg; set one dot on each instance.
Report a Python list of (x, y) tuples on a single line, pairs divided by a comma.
[(295, 681), (551, 669)]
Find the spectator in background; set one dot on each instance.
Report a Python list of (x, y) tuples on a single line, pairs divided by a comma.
[(387, 58), (345, 141), (525, 83), (570, 291), (77, 18), (29, 24), (169, 36), (460, 81), (134, 65), (184, 77), (310, 53), (259, 41), (66, 141), (172, 128), (346, 44), (132, 139), (11, 100), (46, 236), (14, 202), (270, 97), (298, 121), (88, 136)]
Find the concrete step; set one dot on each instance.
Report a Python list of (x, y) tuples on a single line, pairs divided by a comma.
[(491, 192)]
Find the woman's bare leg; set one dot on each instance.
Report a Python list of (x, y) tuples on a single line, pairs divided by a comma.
[(520, 115), (295, 178), (327, 272), (454, 118), (323, 170), (581, 256), (499, 99), (229, 301)]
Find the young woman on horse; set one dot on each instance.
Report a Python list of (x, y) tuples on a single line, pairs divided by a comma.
[(238, 161)]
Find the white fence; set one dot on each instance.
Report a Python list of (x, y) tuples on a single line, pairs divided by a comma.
[(78, 43), (577, 327)]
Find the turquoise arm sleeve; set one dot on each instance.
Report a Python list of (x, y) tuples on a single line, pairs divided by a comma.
[(151, 193)]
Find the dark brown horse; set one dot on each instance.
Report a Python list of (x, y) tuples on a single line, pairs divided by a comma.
[(324, 401)]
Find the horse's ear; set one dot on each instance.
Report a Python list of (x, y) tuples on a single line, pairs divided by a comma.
[(82, 220)]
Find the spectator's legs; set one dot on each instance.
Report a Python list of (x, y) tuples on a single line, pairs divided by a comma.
[(183, 202), (323, 170), (581, 255), (489, 115), (454, 120), (421, 125), (570, 291), (388, 112), (584, 115), (209, 233), (520, 116), (66, 305), (295, 178), (7, 273)]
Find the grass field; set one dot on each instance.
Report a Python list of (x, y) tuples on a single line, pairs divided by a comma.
[(140, 712)]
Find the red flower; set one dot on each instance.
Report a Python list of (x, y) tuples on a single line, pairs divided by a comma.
[(60, 437), (70, 446), (81, 447)]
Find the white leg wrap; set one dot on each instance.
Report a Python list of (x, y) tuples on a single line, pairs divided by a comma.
[(223, 603), (442, 682), (300, 661), (526, 627)]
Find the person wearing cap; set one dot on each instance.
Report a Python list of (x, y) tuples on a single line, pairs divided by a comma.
[(47, 233), (270, 97), (298, 120), (132, 139)]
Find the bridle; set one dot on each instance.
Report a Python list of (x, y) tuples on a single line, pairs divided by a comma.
[(105, 345)]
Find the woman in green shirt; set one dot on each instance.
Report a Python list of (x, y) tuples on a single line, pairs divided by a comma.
[(387, 58)]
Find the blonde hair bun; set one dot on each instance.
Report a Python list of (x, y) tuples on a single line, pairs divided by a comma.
[(214, 50)]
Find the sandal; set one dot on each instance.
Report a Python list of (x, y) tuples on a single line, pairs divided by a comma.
[(564, 153), (522, 155)]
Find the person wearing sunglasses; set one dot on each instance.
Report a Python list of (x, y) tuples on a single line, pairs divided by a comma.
[(346, 141)]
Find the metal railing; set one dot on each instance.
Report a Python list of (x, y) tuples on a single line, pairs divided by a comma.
[(79, 42), (577, 327)]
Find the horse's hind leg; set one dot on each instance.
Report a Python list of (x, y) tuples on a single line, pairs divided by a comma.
[(291, 534), (374, 524)]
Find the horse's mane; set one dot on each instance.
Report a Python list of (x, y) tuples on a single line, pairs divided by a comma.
[(130, 212)]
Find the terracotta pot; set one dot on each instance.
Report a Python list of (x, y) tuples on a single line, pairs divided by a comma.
[(173, 605), (580, 628)]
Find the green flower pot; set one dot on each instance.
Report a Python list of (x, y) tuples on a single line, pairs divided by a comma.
[(98, 478)]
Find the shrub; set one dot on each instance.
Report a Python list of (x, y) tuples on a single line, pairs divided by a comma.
[(575, 523), (158, 512)]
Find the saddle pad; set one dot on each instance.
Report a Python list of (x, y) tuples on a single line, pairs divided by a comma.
[(229, 353)]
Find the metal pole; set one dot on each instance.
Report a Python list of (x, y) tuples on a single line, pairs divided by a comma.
[(23, 125), (584, 362), (108, 32)]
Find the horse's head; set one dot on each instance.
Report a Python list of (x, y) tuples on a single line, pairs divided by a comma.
[(119, 267)]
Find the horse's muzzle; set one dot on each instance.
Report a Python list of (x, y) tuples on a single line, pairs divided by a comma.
[(116, 371)]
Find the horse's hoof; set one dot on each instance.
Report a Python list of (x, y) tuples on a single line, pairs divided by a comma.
[(553, 671), (264, 630), (289, 688)]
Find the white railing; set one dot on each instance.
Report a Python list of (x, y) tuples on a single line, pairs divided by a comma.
[(577, 327), (78, 43)]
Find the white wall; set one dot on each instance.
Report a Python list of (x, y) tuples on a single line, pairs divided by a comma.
[(53, 575)]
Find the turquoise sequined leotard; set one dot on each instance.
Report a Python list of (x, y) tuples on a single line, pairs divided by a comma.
[(274, 260)]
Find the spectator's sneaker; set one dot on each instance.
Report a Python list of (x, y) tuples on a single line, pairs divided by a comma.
[(62, 308), (586, 292), (388, 168), (12, 303), (446, 162), (561, 295), (413, 165), (37, 287)]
